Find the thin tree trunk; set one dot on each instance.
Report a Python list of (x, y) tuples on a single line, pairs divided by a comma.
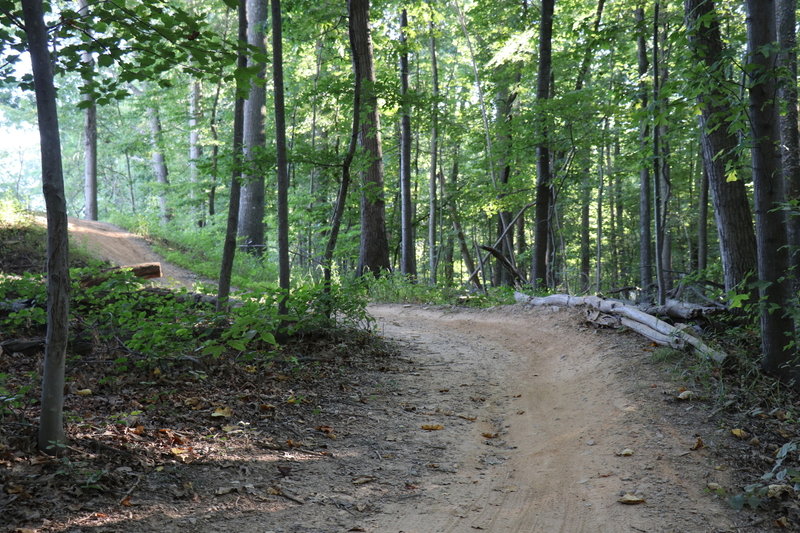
[(658, 167), (159, 163), (702, 223), (773, 261), (284, 273), (251, 210), (195, 152), (645, 216), (374, 247), (433, 259), (341, 198), (408, 250), (539, 273), (585, 251), (598, 246), (229, 247), (51, 422), (89, 134)]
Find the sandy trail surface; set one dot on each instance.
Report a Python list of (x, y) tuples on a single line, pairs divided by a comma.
[(502, 420)]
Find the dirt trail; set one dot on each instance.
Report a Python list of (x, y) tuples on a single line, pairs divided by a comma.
[(563, 402), (526, 413), (111, 243)]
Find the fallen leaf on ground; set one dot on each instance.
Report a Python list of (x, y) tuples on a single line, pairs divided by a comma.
[(225, 412), (698, 444), (432, 427), (489, 435), (627, 452), (84, 392), (126, 501), (686, 395), (776, 491), (631, 499), (739, 433), (293, 443), (782, 522)]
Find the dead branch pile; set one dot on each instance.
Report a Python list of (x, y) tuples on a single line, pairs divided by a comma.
[(615, 313)]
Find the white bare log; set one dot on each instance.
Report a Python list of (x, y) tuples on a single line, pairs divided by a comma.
[(635, 319)]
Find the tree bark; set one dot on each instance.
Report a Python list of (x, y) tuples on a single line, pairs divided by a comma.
[(159, 163), (645, 213), (229, 246), (374, 247), (284, 273), (432, 208), (702, 223), (773, 260), (539, 264), (89, 134), (790, 137), (734, 222), (51, 423), (408, 250), (251, 211), (195, 151)]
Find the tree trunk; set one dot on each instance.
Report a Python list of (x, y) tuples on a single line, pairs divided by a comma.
[(229, 246), (790, 137), (539, 263), (284, 274), (773, 260), (408, 250), (195, 151), (702, 223), (374, 247), (251, 211), (51, 424), (720, 157), (159, 163), (432, 210), (658, 165), (89, 134), (586, 253), (645, 216)]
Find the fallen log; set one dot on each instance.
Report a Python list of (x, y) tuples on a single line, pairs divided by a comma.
[(142, 270), (631, 317)]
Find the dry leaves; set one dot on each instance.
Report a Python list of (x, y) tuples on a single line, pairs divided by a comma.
[(631, 499), (432, 427), (740, 433), (223, 412), (627, 452)]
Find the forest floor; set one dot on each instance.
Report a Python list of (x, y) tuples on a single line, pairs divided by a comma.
[(507, 419)]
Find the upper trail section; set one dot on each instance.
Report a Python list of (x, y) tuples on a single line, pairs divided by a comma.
[(119, 247)]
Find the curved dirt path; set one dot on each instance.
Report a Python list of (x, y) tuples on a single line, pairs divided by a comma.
[(119, 247), (563, 401), (503, 420)]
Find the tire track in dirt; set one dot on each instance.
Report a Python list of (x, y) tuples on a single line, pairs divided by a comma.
[(563, 402)]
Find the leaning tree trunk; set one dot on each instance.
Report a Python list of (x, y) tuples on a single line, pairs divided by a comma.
[(542, 230), (408, 253), (229, 246), (251, 210), (773, 260), (374, 248), (737, 240), (51, 423)]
